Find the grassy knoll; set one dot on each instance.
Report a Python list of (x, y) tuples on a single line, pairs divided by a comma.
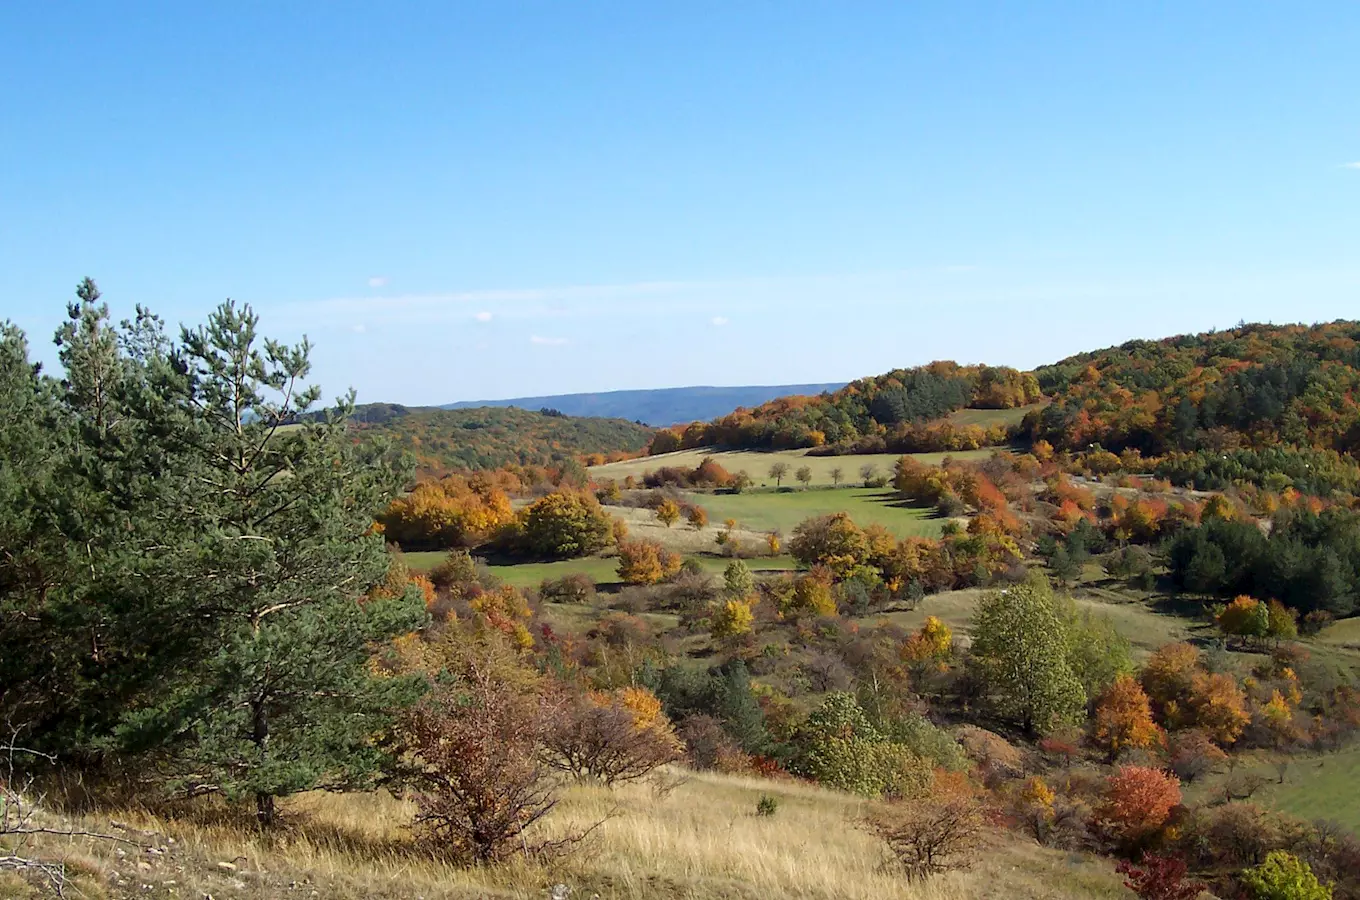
[(770, 510), (756, 463), (700, 841), (1145, 628), (989, 417)]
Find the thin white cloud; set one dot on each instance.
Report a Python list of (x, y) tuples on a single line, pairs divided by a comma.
[(547, 341), (377, 281), (358, 329), (1354, 165), (719, 320), (483, 316)]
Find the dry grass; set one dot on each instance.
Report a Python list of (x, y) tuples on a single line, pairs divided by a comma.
[(702, 841)]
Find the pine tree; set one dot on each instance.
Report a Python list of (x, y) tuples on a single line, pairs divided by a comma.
[(211, 608)]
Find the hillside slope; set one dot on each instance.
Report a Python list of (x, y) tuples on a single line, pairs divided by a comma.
[(1265, 384), (489, 437), (660, 407)]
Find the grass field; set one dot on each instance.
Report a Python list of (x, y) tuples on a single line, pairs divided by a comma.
[(756, 463), (1315, 787), (699, 841), (601, 569), (782, 511)]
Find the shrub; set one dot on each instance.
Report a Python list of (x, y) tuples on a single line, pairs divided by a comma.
[(474, 755), (767, 805), (1159, 878), (707, 745), (932, 835), (577, 588), (838, 747), (1284, 876), (611, 738)]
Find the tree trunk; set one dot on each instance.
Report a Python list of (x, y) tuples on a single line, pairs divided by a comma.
[(264, 802), (264, 809)]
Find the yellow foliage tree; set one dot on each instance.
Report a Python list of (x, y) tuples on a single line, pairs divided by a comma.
[(732, 619)]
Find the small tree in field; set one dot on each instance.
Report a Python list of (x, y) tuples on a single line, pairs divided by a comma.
[(668, 512), (868, 473), (779, 471), (737, 579), (837, 476), (804, 475), (698, 517)]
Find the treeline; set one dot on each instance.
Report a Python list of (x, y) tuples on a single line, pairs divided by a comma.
[(886, 407), (451, 440)]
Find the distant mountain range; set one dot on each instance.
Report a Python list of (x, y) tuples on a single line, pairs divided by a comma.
[(660, 407)]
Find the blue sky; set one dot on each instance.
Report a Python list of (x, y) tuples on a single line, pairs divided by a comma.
[(463, 201)]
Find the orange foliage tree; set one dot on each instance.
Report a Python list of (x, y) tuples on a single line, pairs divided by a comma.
[(1138, 801), (452, 512), (646, 562), (1123, 718)]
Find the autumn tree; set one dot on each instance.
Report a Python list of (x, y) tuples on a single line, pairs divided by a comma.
[(1123, 719), (1218, 706), (1138, 800), (837, 476), (564, 524), (804, 475), (779, 471), (668, 512), (1020, 649), (732, 619), (1168, 677), (1245, 617), (833, 541), (868, 473), (1283, 876), (698, 517), (646, 562)]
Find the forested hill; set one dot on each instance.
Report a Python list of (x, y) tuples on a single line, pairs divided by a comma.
[(660, 407), (1255, 385), (881, 410), (490, 437)]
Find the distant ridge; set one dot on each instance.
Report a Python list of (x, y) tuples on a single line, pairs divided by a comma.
[(659, 407)]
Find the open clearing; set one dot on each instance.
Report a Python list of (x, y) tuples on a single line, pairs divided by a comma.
[(782, 510), (756, 463)]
